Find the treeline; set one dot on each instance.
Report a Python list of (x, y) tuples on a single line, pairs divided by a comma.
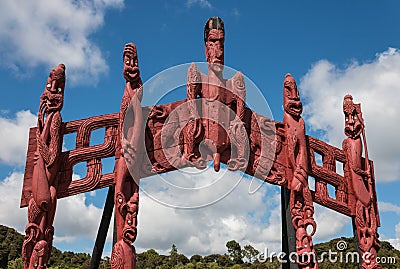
[(235, 257), (10, 254)]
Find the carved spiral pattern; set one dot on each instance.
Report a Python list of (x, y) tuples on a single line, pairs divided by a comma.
[(33, 211), (117, 259)]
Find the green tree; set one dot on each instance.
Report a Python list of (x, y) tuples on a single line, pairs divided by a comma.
[(211, 258), (10, 245), (173, 251), (16, 264), (234, 251), (250, 253), (149, 259), (224, 261), (195, 258)]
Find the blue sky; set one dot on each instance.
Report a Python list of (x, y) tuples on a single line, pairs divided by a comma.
[(330, 47)]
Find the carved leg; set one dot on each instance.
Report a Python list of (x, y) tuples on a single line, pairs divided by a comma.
[(239, 139), (192, 132)]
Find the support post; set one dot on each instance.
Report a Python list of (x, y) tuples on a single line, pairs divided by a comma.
[(288, 233), (356, 240), (103, 229)]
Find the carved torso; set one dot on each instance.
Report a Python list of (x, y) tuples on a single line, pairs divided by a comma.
[(353, 152)]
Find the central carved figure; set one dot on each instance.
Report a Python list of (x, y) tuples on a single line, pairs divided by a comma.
[(217, 107)]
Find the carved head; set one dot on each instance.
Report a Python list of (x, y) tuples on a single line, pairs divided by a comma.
[(291, 97), (129, 231), (354, 122), (52, 98), (214, 38), (131, 68), (304, 247)]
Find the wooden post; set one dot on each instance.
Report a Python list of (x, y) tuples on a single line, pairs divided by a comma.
[(103, 229), (288, 233)]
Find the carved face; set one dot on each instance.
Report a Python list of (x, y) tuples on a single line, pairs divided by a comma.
[(131, 67), (352, 115), (53, 96), (304, 247), (291, 98), (130, 230), (214, 48)]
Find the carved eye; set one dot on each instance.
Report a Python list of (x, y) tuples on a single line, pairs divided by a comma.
[(127, 62), (59, 89), (347, 119), (48, 85), (354, 117)]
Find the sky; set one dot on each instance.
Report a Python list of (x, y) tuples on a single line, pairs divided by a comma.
[(330, 47)]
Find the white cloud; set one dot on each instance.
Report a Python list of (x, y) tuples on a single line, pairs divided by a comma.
[(396, 241), (49, 32), (14, 137), (75, 219), (389, 207), (247, 218), (201, 3), (10, 193), (374, 84), (330, 224)]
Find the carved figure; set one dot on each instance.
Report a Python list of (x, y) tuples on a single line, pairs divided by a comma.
[(42, 205), (128, 153), (359, 175), (301, 203), (220, 97)]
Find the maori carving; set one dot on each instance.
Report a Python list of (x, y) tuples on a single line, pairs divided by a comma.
[(237, 131), (301, 203), (193, 128), (128, 152), (268, 166), (221, 108), (42, 205), (212, 123), (358, 173)]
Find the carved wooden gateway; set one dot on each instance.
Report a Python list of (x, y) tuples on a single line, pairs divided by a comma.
[(212, 123)]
